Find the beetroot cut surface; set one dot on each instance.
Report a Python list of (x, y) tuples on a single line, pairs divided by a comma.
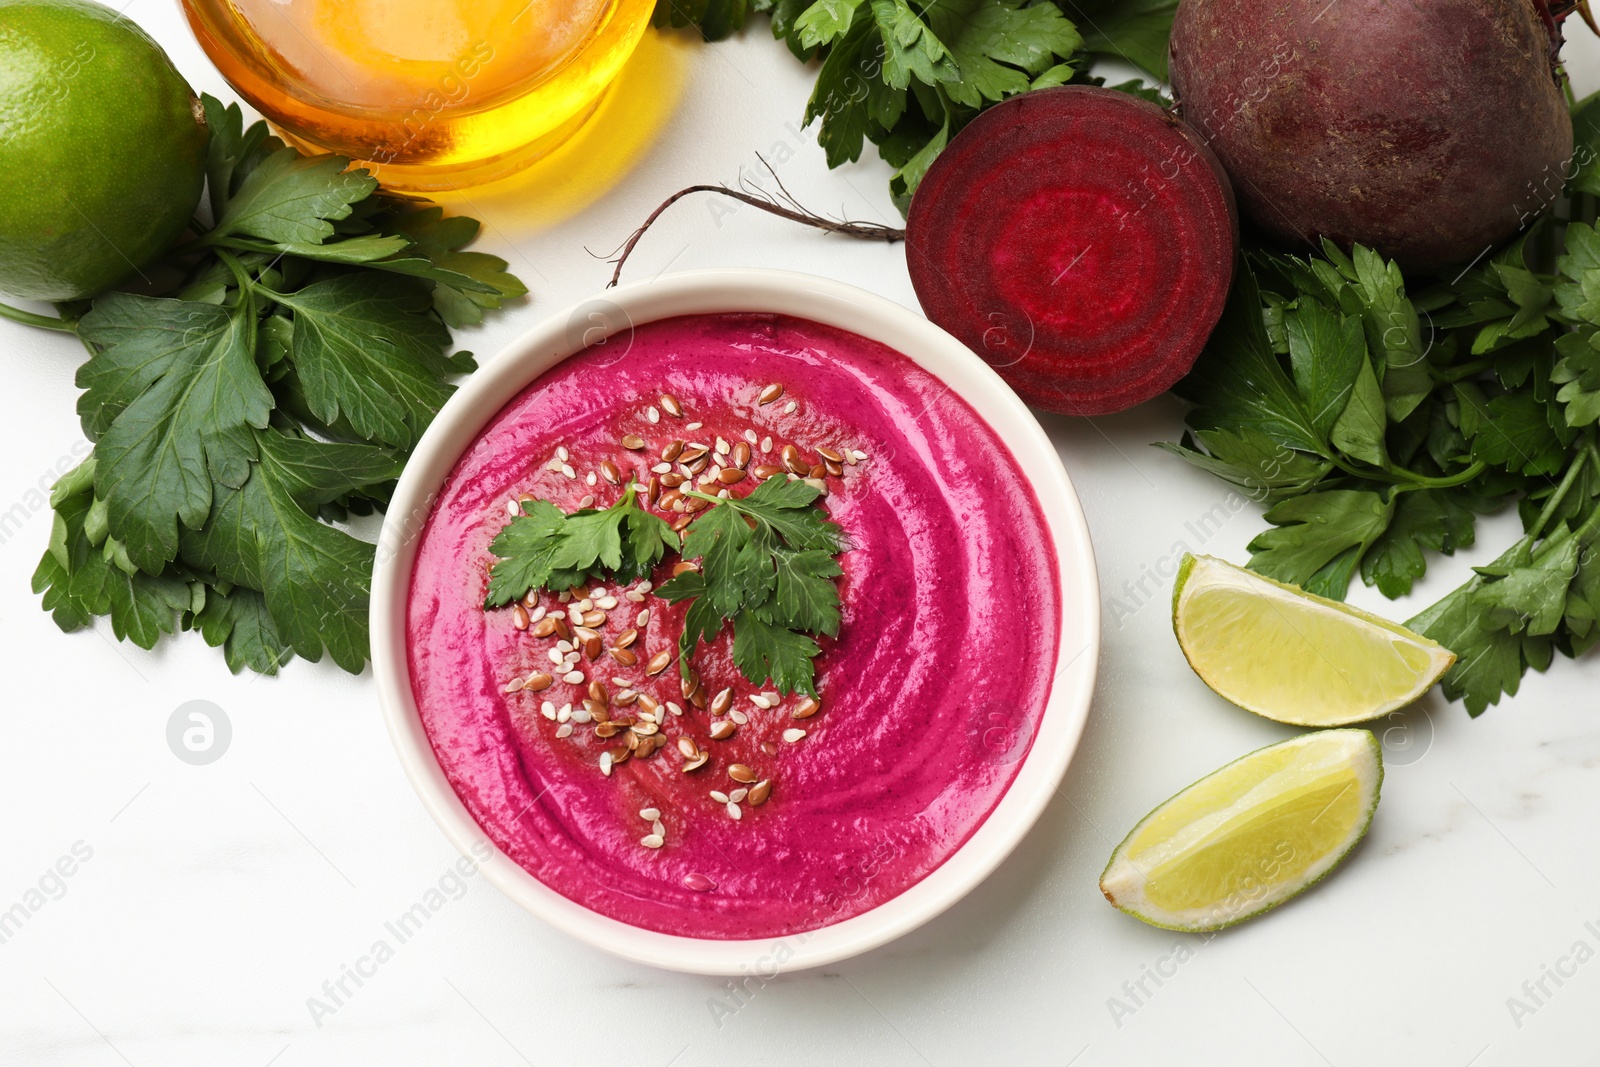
[(1081, 241)]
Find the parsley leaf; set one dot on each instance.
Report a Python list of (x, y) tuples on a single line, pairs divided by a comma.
[(365, 347), (291, 197), (175, 381), (1318, 529), (545, 548), (765, 650)]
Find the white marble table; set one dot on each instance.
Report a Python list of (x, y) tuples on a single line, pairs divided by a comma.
[(208, 904)]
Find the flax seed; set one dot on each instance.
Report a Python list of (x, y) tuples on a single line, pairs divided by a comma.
[(538, 682), (769, 394), (624, 656), (632, 442), (807, 707)]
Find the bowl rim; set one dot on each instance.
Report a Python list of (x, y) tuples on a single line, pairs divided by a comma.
[(615, 313)]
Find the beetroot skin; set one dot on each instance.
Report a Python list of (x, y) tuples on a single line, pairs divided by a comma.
[(1429, 130), (1081, 241)]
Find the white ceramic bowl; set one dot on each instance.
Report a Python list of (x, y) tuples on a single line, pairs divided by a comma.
[(611, 318)]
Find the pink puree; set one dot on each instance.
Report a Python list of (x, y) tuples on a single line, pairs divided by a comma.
[(931, 694)]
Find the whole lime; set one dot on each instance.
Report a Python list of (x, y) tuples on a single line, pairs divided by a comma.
[(102, 149)]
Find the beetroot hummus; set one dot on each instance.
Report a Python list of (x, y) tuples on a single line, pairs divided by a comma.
[(800, 814)]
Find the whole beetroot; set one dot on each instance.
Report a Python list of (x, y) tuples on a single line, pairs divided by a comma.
[(1427, 129)]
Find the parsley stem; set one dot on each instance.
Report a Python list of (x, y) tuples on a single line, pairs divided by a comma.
[(1447, 481), (1406, 479), (28, 318), (241, 277), (1560, 493)]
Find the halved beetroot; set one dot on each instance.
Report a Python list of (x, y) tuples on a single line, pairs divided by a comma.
[(1081, 241)]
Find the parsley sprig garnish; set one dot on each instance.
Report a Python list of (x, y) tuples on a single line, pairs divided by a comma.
[(1378, 415), (546, 548), (299, 350), (767, 567)]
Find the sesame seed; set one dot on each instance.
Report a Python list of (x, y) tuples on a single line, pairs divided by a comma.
[(734, 812), (793, 734), (790, 407), (760, 700), (695, 425), (591, 478), (719, 796), (512, 508), (566, 469), (605, 764), (650, 814), (652, 841), (737, 796), (573, 677), (564, 730)]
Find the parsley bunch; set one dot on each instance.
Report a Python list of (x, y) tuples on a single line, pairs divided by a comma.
[(909, 74), (278, 387), (1379, 415)]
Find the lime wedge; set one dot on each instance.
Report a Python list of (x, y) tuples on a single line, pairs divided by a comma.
[(1250, 836), (1294, 657)]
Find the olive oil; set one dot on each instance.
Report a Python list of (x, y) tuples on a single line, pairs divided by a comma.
[(433, 94)]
